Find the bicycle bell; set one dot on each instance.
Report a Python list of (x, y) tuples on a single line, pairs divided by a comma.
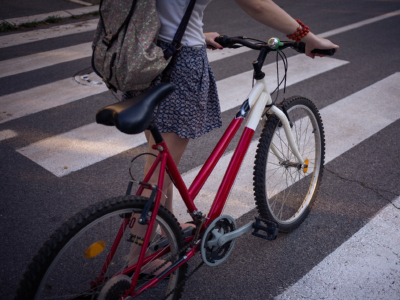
[(274, 43)]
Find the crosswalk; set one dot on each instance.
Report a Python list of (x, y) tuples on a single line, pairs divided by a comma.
[(347, 122)]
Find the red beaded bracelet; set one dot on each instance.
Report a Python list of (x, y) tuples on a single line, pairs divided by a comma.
[(300, 32)]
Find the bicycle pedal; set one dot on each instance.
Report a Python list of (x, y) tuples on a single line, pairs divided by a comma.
[(271, 229)]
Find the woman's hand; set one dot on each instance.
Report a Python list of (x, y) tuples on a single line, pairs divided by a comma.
[(211, 44), (314, 42), (271, 15)]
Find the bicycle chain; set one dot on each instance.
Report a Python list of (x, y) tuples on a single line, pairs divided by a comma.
[(170, 260), (167, 261), (192, 243), (183, 280)]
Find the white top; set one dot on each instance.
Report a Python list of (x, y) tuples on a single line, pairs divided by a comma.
[(170, 13)]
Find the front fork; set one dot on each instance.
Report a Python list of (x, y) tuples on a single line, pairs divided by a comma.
[(288, 131)]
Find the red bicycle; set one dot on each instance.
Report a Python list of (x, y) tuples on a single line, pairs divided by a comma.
[(132, 247)]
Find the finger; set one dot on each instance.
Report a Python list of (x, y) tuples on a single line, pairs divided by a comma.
[(336, 48), (311, 55), (215, 45), (212, 47)]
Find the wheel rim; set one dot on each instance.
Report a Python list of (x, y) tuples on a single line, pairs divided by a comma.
[(71, 260), (289, 191)]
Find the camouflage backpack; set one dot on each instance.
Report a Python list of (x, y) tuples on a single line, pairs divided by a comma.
[(125, 54)]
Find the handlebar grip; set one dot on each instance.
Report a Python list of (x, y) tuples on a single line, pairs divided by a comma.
[(329, 52), (300, 47), (221, 40)]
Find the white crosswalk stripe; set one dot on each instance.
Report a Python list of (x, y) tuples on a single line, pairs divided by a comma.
[(43, 97), (360, 265), (44, 59), (7, 134), (48, 33), (77, 149)]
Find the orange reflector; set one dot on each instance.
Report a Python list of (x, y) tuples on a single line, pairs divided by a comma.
[(94, 249), (306, 168)]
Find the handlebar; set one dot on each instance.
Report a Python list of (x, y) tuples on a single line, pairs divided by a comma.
[(273, 45)]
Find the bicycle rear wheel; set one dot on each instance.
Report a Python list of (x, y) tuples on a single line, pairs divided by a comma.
[(284, 193), (70, 262)]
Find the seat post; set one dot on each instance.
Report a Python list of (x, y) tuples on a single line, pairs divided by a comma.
[(155, 133)]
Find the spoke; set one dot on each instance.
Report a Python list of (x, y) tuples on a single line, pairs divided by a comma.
[(278, 181), (297, 136), (271, 152), (87, 244), (287, 146), (276, 195), (291, 186), (302, 200), (305, 135), (274, 171), (278, 165), (298, 133), (309, 153), (109, 239), (281, 141), (284, 197), (308, 140)]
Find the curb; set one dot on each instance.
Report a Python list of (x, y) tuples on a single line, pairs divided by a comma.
[(62, 14)]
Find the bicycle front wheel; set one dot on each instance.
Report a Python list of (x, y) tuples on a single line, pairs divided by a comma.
[(72, 263), (283, 192)]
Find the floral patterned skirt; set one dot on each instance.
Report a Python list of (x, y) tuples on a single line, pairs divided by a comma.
[(193, 109)]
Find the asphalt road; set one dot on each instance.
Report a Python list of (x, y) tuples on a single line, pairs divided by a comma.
[(356, 185)]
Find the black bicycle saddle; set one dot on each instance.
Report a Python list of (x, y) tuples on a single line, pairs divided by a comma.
[(134, 115)]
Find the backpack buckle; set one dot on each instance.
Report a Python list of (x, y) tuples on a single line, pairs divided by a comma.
[(107, 39)]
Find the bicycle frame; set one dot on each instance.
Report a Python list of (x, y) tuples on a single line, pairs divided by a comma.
[(257, 101)]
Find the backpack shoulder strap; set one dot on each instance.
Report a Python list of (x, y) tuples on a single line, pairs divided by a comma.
[(175, 44), (118, 16)]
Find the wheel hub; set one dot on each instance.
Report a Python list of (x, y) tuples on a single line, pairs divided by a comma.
[(289, 164)]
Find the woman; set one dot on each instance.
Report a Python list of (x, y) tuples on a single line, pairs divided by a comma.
[(193, 109)]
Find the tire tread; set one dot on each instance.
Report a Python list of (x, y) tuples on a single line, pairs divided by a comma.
[(262, 155), (37, 268)]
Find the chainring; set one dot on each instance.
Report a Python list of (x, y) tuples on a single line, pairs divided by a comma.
[(115, 287), (215, 255)]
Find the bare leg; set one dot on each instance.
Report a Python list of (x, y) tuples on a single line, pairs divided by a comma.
[(176, 146)]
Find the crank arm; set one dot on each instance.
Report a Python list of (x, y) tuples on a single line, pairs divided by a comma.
[(223, 239)]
